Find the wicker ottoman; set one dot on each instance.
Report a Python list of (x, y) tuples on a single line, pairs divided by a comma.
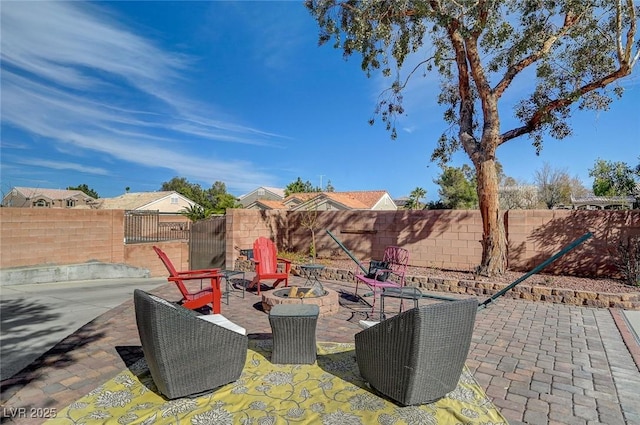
[(294, 333)]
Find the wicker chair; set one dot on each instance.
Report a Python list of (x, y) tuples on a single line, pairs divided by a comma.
[(187, 353), (417, 356)]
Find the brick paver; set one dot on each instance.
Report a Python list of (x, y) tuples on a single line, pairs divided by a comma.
[(540, 363)]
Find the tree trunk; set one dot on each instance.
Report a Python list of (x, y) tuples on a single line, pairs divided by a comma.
[(494, 245)]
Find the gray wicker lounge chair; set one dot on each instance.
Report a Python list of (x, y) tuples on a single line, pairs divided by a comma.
[(187, 353), (417, 356)]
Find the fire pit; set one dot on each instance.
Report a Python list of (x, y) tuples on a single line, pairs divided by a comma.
[(328, 302)]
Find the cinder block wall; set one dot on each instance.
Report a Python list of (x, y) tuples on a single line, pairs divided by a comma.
[(449, 239), (33, 237), (439, 238), (535, 235)]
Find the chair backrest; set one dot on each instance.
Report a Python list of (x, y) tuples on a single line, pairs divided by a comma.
[(266, 254), (166, 261), (172, 271), (398, 258)]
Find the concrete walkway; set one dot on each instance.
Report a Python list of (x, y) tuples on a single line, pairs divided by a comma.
[(540, 363), (36, 317)]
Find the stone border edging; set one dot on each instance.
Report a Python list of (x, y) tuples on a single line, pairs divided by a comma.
[(628, 301)]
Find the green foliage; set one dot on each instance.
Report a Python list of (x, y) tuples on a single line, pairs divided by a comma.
[(563, 53), (414, 199), (457, 188), (86, 189), (214, 200), (196, 212), (329, 187), (613, 178), (301, 187)]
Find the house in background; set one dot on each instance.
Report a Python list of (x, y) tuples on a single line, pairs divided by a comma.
[(263, 193), (335, 201), (34, 197), (164, 202)]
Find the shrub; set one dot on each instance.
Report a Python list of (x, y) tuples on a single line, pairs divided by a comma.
[(628, 260)]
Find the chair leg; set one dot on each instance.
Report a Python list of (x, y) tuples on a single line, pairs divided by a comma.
[(255, 281)]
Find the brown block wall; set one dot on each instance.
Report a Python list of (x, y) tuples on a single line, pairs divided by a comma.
[(535, 235), (31, 236), (447, 239), (143, 255), (440, 238)]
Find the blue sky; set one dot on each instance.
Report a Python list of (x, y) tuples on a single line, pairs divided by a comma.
[(132, 94)]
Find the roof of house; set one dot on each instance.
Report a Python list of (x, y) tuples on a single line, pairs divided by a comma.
[(268, 203), (34, 192), (365, 199), (275, 190), (134, 200)]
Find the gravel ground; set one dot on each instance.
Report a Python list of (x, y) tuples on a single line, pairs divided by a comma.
[(550, 281)]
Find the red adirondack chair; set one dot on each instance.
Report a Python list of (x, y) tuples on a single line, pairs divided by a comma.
[(265, 259), (197, 299)]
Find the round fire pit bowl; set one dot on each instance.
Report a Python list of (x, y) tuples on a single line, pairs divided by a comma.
[(328, 303)]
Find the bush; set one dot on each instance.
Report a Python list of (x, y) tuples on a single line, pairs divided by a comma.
[(628, 261)]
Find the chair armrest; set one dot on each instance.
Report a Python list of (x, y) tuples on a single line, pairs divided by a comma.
[(194, 277), (205, 273), (287, 264)]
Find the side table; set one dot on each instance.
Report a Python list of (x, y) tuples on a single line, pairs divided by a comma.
[(311, 272), (294, 333), (404, 293), (226, 275)]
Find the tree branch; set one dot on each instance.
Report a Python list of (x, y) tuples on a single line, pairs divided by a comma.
[(542, 114), (569, 21)]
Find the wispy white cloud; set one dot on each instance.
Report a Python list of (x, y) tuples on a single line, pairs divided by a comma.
[(62, 165), (73, 75)]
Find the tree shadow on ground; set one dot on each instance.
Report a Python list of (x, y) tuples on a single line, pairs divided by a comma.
[(59, 356), (17, 315)]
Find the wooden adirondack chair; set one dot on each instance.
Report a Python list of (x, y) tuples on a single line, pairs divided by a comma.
[(197, 299), (265, 259)]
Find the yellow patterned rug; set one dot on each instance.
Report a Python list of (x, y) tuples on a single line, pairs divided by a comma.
[(328, 392)]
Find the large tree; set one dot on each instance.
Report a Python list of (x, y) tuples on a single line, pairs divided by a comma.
[(414, 199), (214, 200), (457, 188), (556, 186), (613, 178), (299, 186), (567, 53)]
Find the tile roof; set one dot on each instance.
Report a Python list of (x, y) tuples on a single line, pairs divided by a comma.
[(364, 199), (272, 204), (132, 201), (33, 192)]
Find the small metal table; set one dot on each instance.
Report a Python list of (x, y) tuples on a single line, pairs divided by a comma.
[(226, 275), (404, 293), (311, 272)]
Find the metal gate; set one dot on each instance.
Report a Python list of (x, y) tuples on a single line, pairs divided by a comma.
[(207, 243)]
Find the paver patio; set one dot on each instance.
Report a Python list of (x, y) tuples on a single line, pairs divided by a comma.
[(540, 363)]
